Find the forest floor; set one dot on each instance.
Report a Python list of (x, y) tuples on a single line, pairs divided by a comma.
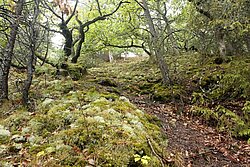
[(196, 144), (191, 142), (98, 119)]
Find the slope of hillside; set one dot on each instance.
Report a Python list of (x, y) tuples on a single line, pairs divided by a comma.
[(120, 114)]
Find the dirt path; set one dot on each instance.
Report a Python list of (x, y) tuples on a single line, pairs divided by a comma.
[(193, 144)]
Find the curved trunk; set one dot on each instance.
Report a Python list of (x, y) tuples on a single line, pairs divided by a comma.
[(78, 51), (79, 45), (68, 40)]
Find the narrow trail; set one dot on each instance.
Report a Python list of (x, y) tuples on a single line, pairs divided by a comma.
[(193, 144), (190, 142)]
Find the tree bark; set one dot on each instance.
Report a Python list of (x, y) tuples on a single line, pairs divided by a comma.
[(82, 39), (68, 40), (220, 36), (33, 40), (8, 53), (157, 46)]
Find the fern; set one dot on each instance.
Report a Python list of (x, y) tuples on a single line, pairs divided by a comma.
[(227, 120), (245, 132), (198, 98), (246, 108), (206, 113)]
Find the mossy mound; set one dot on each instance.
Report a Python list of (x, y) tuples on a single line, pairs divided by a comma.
[(81, 129), (167, 94)]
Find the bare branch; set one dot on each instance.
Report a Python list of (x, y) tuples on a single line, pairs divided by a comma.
[(104, 16), (72, 14), (50, 9), (142, 46), (140, 4), (99, 9)]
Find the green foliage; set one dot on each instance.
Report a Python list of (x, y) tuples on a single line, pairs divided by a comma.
[(214, 16), (141, 160), (206, 113), (46, 69), (90, 59), (246, 117), (198, 98), (167, 94), (231, 81), (226, 120)]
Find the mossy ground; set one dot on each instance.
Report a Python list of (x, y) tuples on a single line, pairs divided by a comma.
[(199, 82), (87, 122), (78, 123)]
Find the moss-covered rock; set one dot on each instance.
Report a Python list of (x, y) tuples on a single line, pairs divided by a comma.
[(166, 93), (4, 134), (107, 82), (87, 124)]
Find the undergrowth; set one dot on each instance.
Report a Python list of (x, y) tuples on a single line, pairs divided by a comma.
[(216, 92), (79, 127), (222, 96)]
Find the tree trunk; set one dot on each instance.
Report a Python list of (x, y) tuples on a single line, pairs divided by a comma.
[(31, 56), (163, 67), (68, 40), (78, 51), (157, 47), (79, 45), (220, 36), (8, 53), (28, 81)]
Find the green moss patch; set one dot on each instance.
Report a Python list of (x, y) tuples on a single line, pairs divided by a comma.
[(84, 128)]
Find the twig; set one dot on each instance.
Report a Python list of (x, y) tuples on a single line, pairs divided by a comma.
[(152, 149)]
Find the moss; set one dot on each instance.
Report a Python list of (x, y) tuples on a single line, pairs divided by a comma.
[(110, 96), (121, 106), (76, 71), (110, 131), (101, 103), (146, 86), (5, 107), (167, 94), (154, 120), (17, 120), (85, 124), (37, 148), (4, 135), (45, 125), (92, 95), (107, 82)]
